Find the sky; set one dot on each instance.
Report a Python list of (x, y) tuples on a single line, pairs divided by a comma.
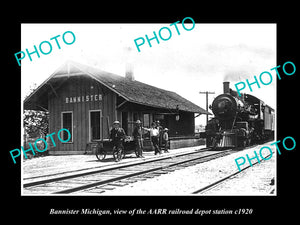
[(196, 60)]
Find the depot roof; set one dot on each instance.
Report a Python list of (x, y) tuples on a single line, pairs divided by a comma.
[(131, 90)]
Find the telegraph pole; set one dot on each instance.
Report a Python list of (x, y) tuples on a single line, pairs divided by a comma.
[(206, 92)]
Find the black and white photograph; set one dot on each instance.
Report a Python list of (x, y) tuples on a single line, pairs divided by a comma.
[(150, 109)]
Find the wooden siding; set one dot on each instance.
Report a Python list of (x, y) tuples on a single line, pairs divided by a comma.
[(74, 87), (185, 126)]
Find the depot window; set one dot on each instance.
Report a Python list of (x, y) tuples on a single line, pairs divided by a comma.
[(67, 123), (146, 120), (95, 125)]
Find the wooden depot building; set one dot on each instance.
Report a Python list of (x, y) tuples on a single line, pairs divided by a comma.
[(86, 101)]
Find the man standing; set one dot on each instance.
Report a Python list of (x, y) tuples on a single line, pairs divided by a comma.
[(138, 138), (117, 135), (165, 140), (154, 135), (160, 130)]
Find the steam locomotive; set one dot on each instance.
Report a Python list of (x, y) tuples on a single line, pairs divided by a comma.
[(239, 120)]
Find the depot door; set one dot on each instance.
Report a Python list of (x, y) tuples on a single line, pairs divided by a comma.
[(95, 125)]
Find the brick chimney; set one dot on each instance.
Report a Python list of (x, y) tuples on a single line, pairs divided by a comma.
[(129, 72)]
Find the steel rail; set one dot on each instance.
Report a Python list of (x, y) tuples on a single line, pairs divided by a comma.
[(118, 178), (51, 180), (216, 183)]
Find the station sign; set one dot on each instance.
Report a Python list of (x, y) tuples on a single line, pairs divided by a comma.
[(83, 98)]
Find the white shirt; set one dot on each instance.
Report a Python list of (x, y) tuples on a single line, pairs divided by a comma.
[(153, 131)]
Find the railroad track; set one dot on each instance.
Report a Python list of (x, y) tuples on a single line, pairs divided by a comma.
[(102, 180), (224, 179), (43, 179)]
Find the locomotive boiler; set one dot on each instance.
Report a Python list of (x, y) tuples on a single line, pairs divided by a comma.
[(239, 120)]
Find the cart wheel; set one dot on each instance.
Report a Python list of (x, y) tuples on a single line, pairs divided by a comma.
[(101, 154)]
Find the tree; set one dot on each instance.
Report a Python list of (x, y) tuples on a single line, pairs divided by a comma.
[(36, 123)]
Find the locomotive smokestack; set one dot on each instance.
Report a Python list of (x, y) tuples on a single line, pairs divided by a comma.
[(226, 87)]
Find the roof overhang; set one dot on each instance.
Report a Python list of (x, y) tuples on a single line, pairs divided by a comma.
[(38, 99)]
